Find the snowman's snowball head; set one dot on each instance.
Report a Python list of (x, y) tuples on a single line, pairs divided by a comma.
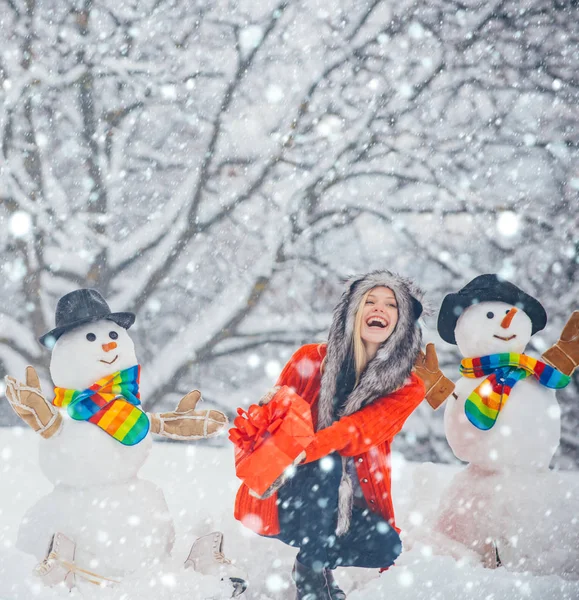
[(481, 329), (90, 352)]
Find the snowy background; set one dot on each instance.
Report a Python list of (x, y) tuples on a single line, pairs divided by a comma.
[(219, 167)]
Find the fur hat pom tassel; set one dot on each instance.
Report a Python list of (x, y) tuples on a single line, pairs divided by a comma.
[(345, 502)]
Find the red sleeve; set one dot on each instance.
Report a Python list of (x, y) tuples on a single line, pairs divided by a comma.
[(300, 368), (290, 375), (370, 426)]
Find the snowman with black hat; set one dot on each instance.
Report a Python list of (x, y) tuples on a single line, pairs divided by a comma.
[(504, 420), (101, 521)]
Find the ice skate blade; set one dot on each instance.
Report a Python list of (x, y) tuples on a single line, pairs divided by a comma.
[(239, 586)]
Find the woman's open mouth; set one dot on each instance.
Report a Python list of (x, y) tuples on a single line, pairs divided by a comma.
[(378, 322)]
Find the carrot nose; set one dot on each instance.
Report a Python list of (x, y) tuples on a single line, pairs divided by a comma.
[(508, 318), (109, 346)]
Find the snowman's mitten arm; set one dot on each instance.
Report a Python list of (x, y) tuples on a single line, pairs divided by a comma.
[(188, 402), (438, 386), (188, 424), (564, 355), (193, 425), (31, 406)]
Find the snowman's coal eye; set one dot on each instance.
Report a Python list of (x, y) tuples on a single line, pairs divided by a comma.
[(113, 335), (91, 337), (490, 315), (507, 311)]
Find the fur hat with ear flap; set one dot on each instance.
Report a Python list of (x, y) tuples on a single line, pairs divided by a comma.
[(384, 374), (393, 362)]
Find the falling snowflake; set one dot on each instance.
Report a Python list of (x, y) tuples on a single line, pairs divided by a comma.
[(253, 361), (274, 94), (276, 583), (250, 38), (272, 368), (508, 223), (20, 224), (168, 580), (406, 578)]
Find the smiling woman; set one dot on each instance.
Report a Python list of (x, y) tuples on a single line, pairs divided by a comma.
[(337, 508)]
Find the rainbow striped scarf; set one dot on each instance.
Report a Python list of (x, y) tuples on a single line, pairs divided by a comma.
[(484, 404), (112, 403)]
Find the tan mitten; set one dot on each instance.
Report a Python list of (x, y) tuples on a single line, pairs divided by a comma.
[(564, 355), (31, 406), (186, 423), (438, 387)]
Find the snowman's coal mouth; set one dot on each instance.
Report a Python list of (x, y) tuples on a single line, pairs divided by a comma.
[(505, 339), (109, 362)]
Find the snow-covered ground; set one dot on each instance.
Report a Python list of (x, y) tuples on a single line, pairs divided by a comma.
[(199, 485)]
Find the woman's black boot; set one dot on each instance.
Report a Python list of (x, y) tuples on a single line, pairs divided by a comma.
[(315, 585), (310, 584), (336, 592)]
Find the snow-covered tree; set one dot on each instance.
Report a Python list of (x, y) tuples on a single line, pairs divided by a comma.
[(218, 167)]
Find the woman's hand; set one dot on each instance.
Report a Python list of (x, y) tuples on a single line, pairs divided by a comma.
[(265, 399), (438, 387)]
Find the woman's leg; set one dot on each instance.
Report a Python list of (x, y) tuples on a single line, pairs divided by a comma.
[(307, 508), (370, 542)]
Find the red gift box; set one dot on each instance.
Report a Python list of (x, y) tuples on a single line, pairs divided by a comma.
[(270, 438)]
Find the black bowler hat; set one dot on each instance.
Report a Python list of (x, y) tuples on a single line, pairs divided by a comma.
[(487, 288), (80, 307)]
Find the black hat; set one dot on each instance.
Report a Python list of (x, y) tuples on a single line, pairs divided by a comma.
[(80, 307), (487, 288)]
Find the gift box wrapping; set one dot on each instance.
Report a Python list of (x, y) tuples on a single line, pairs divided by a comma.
[(270, 438)]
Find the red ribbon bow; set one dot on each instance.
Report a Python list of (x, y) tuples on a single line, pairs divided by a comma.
[(257, 423)]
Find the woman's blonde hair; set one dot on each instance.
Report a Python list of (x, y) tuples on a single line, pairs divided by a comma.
[(360, 354), (358, 348)]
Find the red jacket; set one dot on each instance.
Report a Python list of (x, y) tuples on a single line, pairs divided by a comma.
[(365, 435)]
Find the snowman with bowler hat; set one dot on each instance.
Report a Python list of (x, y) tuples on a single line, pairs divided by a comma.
[(101, 521), (504, 420)]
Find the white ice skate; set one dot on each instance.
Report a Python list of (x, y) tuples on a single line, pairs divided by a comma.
[(206, 557), (59, 566)]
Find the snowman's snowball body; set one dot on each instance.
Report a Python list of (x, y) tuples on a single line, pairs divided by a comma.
[(118, 521), (528, 428), (82, 454), (530, 516), (507, 495)]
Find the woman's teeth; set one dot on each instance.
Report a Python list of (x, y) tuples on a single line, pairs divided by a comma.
[(376, 322)]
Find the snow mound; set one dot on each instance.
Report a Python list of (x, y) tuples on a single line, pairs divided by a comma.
[(199, 484)]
